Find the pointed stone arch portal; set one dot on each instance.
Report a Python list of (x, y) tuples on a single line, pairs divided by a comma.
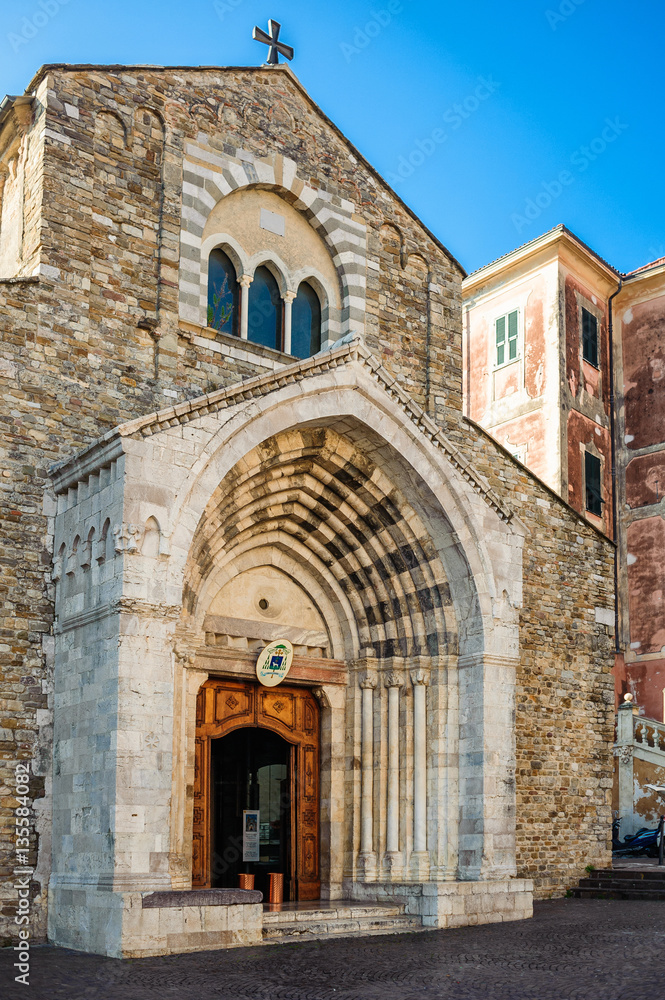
[(318, 505)]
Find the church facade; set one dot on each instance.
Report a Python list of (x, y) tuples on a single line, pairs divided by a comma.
[(232, 361)]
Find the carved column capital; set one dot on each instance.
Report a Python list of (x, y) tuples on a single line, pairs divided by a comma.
[(367, 680), (245, 280), (393, 680), (624, 753), (420, 676)]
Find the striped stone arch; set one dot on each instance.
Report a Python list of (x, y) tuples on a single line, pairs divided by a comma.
[(311, 502), (209, 176)]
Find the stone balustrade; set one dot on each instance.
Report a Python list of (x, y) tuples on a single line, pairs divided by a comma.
[(640, 754)]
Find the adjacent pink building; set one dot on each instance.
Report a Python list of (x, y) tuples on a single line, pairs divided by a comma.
[(565, 367)]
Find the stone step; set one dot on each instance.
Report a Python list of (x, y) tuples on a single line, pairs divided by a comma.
[(652, 885), (618, 891), (318, 930), (654, 874), (342, 912)]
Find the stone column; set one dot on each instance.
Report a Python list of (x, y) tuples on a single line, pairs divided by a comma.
[(393, 859), (487, 766), (287, 298), (623, 751), (367, 856), (442, 767), (188, 681), (420, 854), (244, 282)]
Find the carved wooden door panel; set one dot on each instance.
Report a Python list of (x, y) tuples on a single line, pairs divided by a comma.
[(308, 883), (292, 713)]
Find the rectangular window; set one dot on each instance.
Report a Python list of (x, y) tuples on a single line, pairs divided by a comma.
[(589, 338), (506, 338), (594, 500)]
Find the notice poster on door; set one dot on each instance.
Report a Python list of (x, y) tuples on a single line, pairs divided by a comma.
[(250, 835)]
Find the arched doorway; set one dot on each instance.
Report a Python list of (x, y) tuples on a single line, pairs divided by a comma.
[(257, 748)]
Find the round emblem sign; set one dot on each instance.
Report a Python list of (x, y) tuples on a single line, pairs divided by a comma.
[(274, 662)]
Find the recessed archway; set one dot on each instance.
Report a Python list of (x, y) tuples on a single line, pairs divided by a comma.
[(313, 497)]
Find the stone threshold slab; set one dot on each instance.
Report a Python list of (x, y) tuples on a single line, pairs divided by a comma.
[(202, 897)]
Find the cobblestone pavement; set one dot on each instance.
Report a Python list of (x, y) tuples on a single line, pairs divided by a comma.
[(571, 950)]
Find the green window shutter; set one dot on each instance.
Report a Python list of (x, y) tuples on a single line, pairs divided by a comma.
[(594, 500), (512, 335), (589, 337), (500, 340)]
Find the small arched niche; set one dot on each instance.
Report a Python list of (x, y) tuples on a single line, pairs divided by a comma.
[(151, 537)]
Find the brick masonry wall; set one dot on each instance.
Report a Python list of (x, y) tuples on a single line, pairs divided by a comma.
[(74, 361)]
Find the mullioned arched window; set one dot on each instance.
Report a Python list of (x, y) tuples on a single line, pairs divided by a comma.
[(264, 320), (223, 312), (259, 312), (305, 322)]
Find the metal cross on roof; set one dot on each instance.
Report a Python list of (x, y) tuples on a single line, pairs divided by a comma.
[(272, 39)]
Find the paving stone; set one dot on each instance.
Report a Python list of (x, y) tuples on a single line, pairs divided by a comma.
[(571, 950)]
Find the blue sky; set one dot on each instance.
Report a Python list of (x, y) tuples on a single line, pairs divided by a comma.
[(492, 121)]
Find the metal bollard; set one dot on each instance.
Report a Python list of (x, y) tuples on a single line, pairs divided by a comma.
[(276, 891)]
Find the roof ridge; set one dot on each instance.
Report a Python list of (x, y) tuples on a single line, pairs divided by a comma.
[(560, 227)]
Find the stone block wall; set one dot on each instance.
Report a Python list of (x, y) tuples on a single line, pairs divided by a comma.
[(565, 688)]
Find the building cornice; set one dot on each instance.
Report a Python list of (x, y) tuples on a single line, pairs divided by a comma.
[(553, 238), (644, 274)]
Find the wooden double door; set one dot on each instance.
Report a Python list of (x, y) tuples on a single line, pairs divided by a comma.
[(257, 745)]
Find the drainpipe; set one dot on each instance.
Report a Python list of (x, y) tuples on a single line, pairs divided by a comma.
[(614, 470)]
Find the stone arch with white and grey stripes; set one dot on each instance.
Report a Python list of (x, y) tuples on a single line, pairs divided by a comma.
[(209, 176)]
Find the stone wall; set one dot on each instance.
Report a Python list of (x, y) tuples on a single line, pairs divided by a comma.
[(565, 688), (95, 339)]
